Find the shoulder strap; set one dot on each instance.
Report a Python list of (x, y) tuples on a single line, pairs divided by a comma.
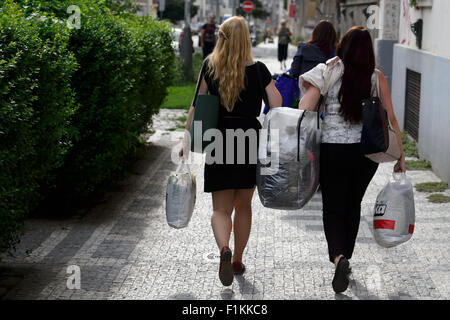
[(199, 81), (377, 83)]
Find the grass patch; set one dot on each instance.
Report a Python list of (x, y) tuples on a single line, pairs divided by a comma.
[(197, 61), (438, 198), (180, 96), (431, 186), (409, 145), (418, 165), (182, 119)]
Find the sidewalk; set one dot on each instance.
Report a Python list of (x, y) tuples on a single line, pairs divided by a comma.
[(267, 53), (126, 250)]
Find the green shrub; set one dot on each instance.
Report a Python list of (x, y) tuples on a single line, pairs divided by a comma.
[(72, 102), (155, 67), (126, 66), (36, 102), (103, 122)]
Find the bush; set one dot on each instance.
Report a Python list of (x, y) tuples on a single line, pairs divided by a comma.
[(36, 102), (72, 102), (125, 68), (155, 67)]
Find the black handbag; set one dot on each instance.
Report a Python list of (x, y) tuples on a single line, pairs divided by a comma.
[(378, 139), (374, 134)]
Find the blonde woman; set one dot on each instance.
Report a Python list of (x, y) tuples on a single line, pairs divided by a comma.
[(230, 73)]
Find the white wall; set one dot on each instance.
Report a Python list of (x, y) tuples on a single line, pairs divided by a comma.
[(436, 26), (434, 120)]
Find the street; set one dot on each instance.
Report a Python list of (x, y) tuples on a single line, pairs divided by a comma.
[(125, 250)]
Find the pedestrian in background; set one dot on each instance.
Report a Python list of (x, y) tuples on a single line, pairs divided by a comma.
[(318, 49), (345, 173), (284, 38), (231, 74), (208, 36)]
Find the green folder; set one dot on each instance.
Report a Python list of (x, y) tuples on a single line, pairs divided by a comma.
[(206, 113)]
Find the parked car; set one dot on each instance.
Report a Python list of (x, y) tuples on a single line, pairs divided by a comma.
[(177, 32)]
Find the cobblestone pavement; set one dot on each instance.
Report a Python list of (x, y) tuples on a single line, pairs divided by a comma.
[(125, 249)]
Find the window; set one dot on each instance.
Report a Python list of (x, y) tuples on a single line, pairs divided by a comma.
[(412, 103)]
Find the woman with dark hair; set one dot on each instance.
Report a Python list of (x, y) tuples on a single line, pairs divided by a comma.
[(345, 173), (317, 50)]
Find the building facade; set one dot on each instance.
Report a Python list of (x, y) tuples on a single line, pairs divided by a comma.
[(421, 81), (148, 8)]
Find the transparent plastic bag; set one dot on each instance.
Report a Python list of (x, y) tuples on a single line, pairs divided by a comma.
[(288, 159), (180, 196), (394, 212)]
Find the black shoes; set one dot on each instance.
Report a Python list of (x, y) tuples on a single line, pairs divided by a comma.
[(225, 270), (340, 279)]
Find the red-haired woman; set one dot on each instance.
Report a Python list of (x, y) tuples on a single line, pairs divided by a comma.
[(345, 173)]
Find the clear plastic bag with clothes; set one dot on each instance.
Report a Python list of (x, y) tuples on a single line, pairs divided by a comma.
[(288, 158), (394, 212), (181, 194)]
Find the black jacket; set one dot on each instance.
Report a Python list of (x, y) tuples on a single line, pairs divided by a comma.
[(307, 57)]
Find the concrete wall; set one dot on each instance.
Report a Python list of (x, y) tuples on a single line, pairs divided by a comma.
[(434, 121), (389, 19), (436, 26), (353, 12), (384, 51)]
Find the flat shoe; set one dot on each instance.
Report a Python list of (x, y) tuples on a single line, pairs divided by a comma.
[(225, 270), (340, 279), (238, 267)]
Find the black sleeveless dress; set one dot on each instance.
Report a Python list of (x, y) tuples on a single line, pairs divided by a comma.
[(235, 172)]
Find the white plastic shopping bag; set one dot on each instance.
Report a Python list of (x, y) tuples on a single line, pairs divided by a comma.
[(394, 212), (180, 196)]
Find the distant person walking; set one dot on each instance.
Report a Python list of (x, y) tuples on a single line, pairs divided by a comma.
[(345, 173), (284, 38), (208, 36), (240, 83), (318, 49)]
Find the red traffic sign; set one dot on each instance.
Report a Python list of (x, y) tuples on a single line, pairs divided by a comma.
[(248, 6)]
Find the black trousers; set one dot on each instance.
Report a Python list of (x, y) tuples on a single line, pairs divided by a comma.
[(344, 176), (282, 52), (208, 47)]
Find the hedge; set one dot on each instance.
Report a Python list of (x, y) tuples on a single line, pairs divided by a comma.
[(36, 102), (73, 103)]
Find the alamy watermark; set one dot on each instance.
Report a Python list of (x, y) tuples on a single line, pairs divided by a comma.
[(373, 20), (234, 146), (74, 279), (74, 20)]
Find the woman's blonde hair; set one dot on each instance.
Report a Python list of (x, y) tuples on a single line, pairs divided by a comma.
[(228, 60)]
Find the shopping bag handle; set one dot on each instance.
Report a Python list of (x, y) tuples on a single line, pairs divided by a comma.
[(181, 164)]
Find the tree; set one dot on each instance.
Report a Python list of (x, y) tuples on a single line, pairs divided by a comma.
[(122, 6), (258, 13), (174, 10)]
